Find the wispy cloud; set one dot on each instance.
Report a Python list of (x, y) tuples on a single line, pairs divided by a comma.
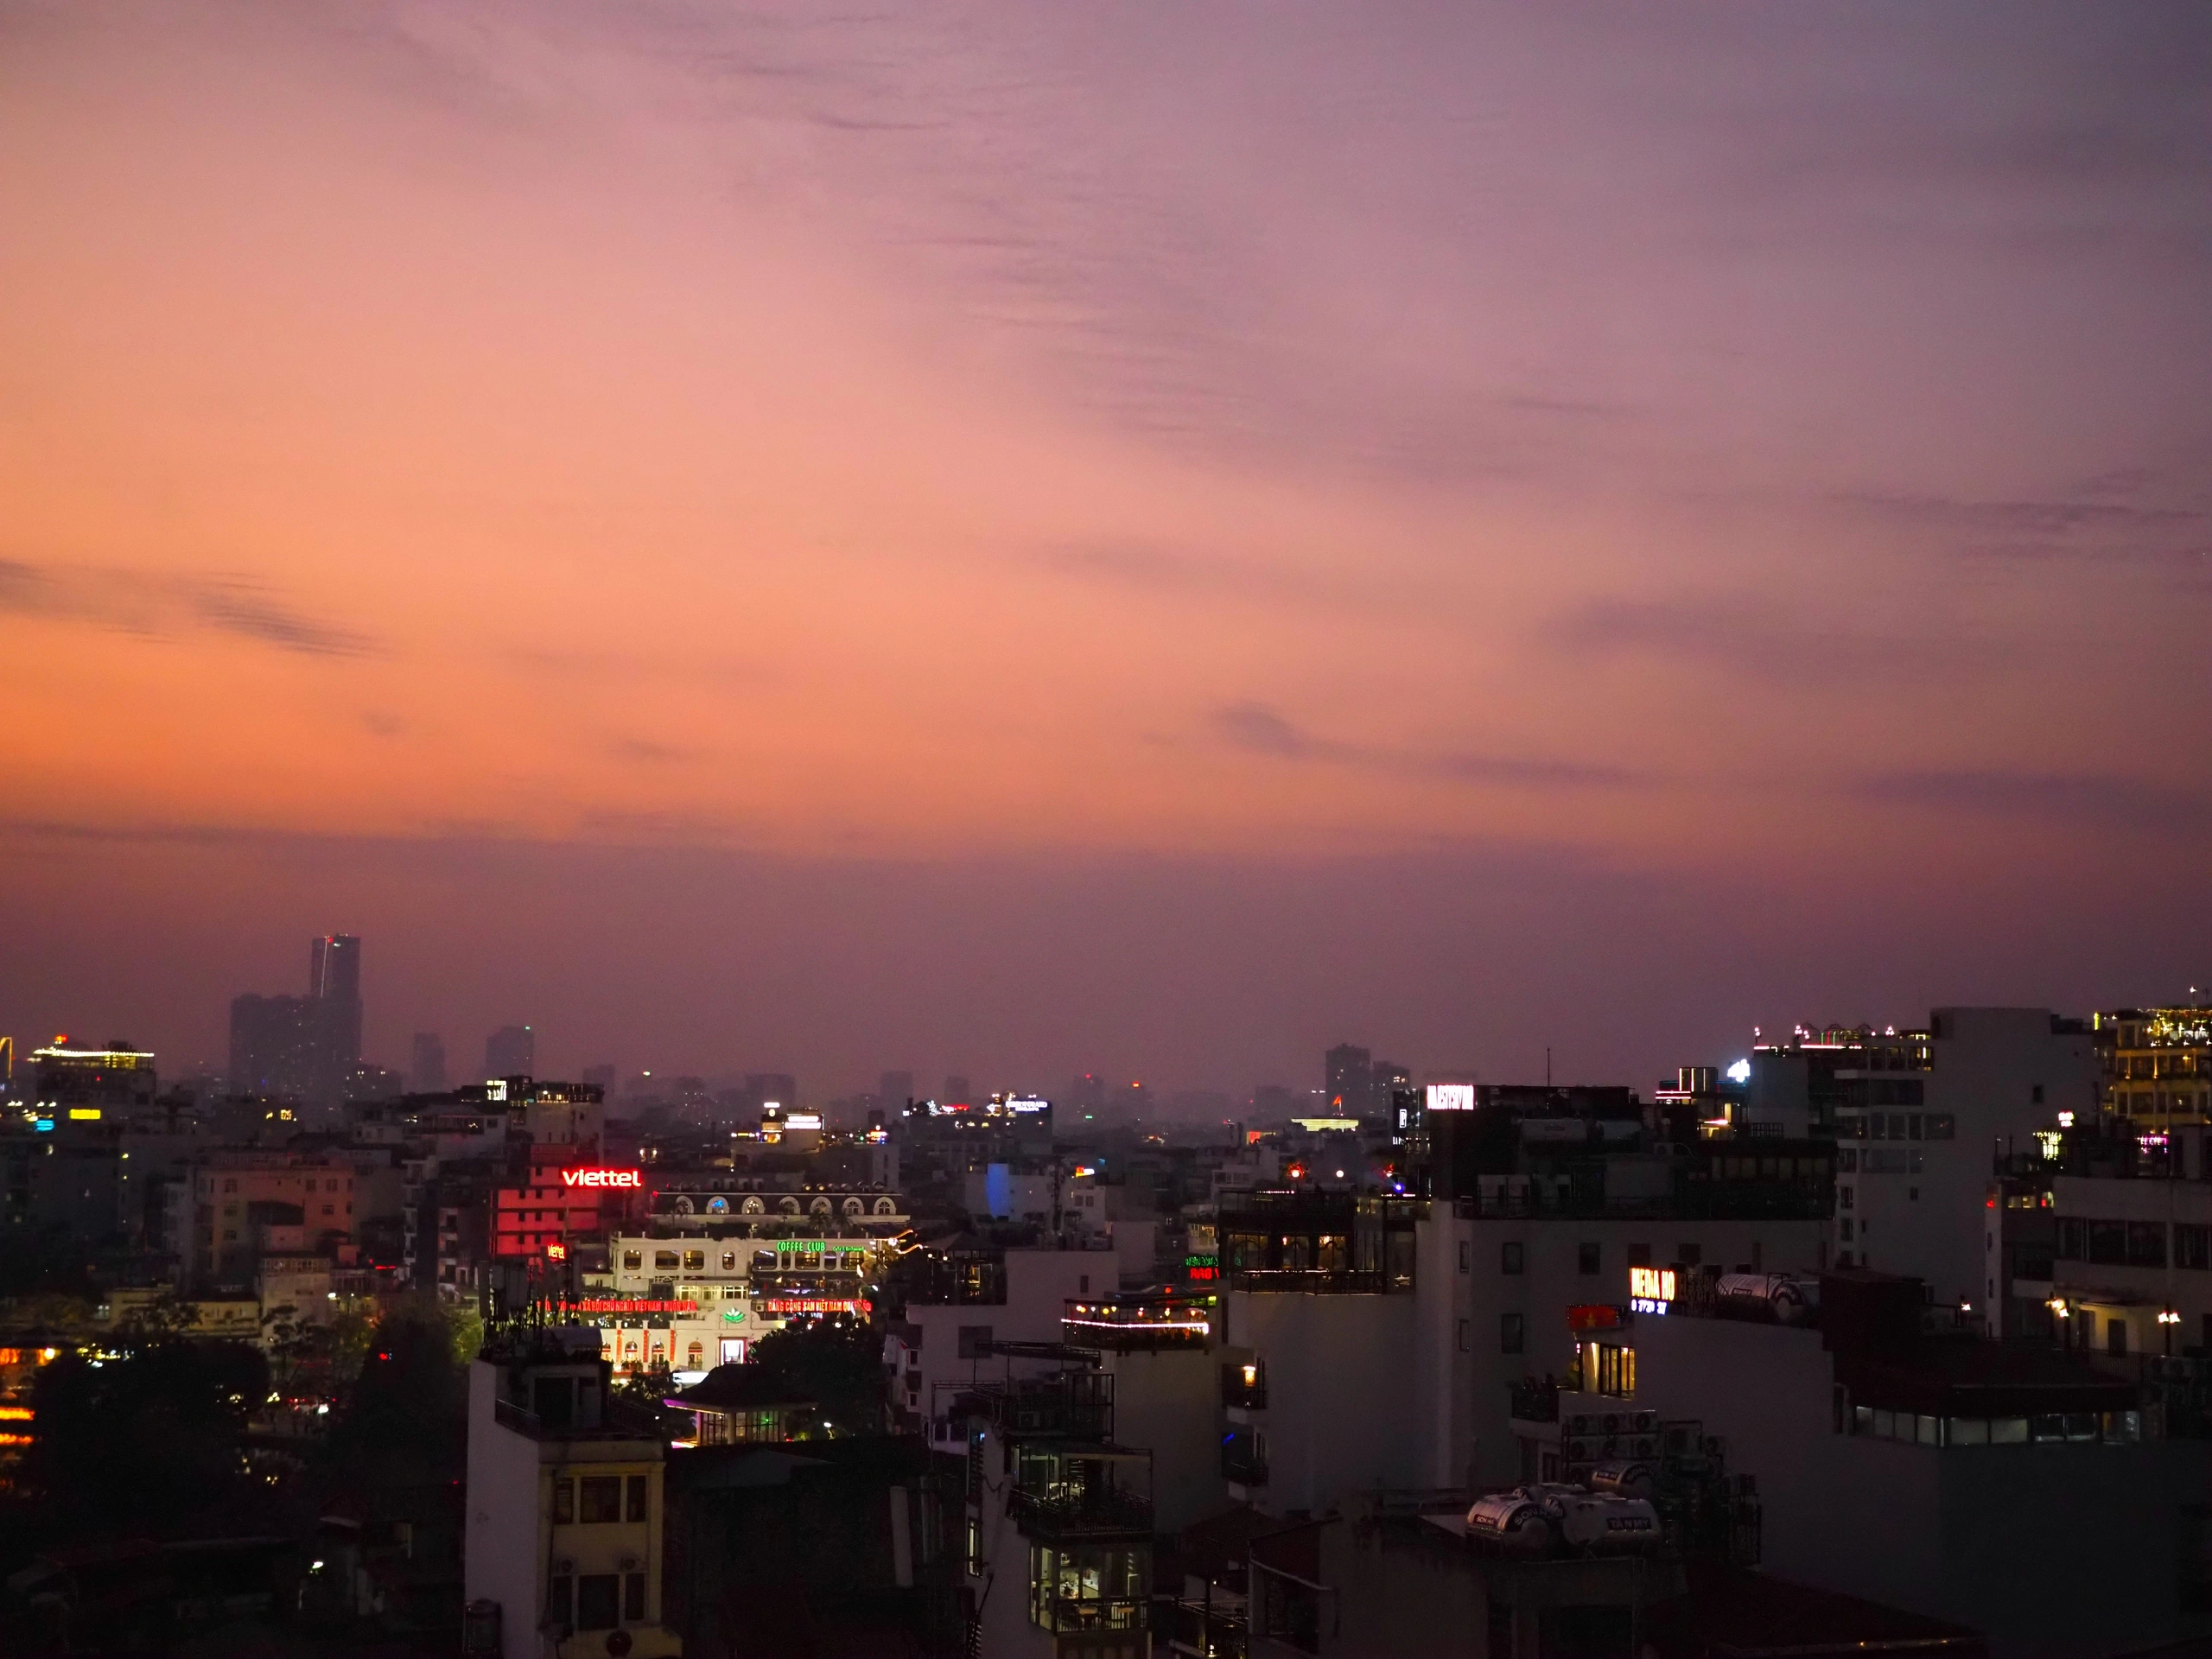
[(1145, 568), (159, 605), (2098, 800), (1766, 644), (1258, 729)]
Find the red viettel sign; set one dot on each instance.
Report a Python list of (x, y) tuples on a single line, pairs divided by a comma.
[(602, 1178)]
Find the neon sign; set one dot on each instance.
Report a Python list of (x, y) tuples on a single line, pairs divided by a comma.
[(1451, 1097), (629, 1304), (1650, 1290), (602, 1178)]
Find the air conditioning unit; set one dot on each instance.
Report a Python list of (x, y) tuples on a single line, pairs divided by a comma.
[(1647, 1423), (628, 1563), (563, 1567)]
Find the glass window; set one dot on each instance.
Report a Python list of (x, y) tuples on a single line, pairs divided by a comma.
[(1969, 1431), (1639, 1255), (664, 1261), (597, 1596), (729, 1261), (632, 1260), (602, 1499), (696, 1260), (560, 1601), (1512, 1331), (633, 1599), (2008, 1431), (633, 1497), (1511, 1257), (1587, 1257)]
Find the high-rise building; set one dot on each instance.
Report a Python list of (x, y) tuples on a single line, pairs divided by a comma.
[(894, 1091), (426, 1075), (1349, 1073), (511, 1052), (1086, 1098), (600, 1077), (334, 981), (957, 1091), (276, 1046)]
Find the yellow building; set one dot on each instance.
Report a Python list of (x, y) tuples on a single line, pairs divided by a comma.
[(2157, 1064)]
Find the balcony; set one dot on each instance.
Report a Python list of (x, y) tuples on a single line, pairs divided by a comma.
[(1536, 1401), (1139, 1324), (1243, 1463), (1312, 1281), (1070, 1615), (1245, 1387), (1062, 1514)]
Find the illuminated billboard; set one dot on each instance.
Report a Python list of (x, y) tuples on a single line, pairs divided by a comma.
[(1650, 1290), (630, 1177), (1451, 1097)]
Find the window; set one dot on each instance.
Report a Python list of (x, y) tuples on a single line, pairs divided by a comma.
[(1511, 1257), (695, 1260), (729, 1261), (664, 1261), (633, 1599), (1847, 1230), (602, 1500), (1512, 1332), (2035, 1095), (1639, 1255), (1463, 1335), (2192, 1245), (1845, 1195), (2146, 1244), (1466, 1250), (1587, 1257), (564, 1502), (633, 1261), (1689, 1255), (633, 1498), (598, 1596), (560, 1602), (2116, 1338), (230, 1187)]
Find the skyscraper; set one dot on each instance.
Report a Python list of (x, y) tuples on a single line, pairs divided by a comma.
[(894, 1090), (426, 1074), (334, 989), (276, 1046), (1350, 1073), (511, 1052)]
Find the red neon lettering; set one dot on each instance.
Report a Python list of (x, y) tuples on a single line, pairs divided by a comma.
[(602, 1178)]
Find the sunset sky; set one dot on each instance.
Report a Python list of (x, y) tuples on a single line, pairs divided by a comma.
[(1136, 537)]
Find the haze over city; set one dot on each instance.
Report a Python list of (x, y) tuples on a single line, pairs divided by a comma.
[(1146, 540)]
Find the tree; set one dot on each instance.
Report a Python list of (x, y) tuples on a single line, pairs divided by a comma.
[(152, 1443), (404, 1417), (837, 1361)]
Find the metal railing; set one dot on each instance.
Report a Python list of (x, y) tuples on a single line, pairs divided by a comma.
[(1243, 1466), (1091, 1512)]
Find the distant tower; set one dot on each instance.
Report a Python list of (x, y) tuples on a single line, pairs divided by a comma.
[(334, 988), (511, 1052), (1350, 1073), (957, 1090), (427, 1075), (894, 1090)]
